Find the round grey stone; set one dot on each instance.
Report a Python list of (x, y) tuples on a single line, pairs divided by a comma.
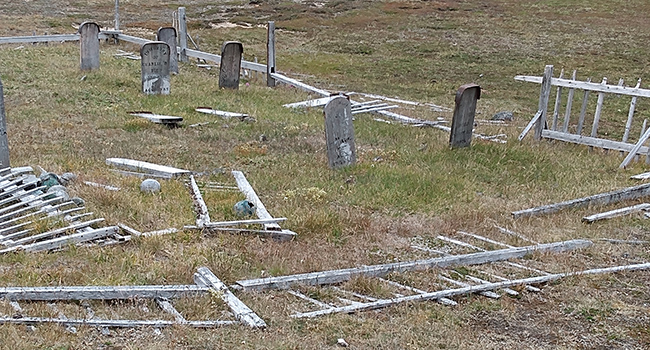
[(504, 115), (57, 188), (78, 201), (67, 178), (150, 186)]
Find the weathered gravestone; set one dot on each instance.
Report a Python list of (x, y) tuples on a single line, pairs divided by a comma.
[(231, 53), (155, 68), (463, 122), (168, 35), (4, 144), (339, 133), (89, 45)]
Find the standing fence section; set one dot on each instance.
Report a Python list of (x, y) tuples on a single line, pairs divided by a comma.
[(568, 127)]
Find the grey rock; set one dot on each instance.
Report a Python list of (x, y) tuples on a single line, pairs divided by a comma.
[(504, 115), (78, 201), (67, 178), (150, 186)]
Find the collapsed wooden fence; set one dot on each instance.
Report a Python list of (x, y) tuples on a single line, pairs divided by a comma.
[(571, 129)]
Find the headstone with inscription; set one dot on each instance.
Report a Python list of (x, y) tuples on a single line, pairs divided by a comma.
[(168, 35), (155, 68), (4, 143), (339, 133), (231, 53), (463, 122), (89, 46)]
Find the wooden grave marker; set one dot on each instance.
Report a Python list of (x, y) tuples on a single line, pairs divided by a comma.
[(155, 68), (463, 122), (231, 54), (339, 133), (89, 46), (168, 35), (4, 143)]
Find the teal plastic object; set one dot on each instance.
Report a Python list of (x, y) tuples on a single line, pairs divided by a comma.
[(244, 208), (50, 179)]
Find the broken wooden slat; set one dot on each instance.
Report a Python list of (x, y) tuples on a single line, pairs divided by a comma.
[(199, 205), (243, 313), (530, 125), (583, 110), (485, 239), (443, 301), (623, 241), (466, 290), (166, 231), (488, 294), (630, 114), (100, 292), (224, 114), (113, 323), (106, 187), (592, 141), (569, 104), (157, 118), (599, 108), (311, 300), (310, 103), (508, 291), (598, 199), (141, 175), (558, 100), (635, 150), (244, 222), (146, 167), (61, 242), (373, 109), (166, 306), (338, 276), (616, 212), (51, 233)]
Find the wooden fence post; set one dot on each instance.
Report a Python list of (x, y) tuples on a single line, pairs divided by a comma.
[(182, 34), (117, 14), (270, 54), (230, 65), (89, 46), (462, 123), (543, 101), (4, 143), (168, 35), (339, 133)]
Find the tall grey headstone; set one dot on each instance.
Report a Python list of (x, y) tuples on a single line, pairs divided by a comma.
[(4, 143), (463, 122), (231, 53), (168, 35), (89, 46), (339, 133), (155, 68)]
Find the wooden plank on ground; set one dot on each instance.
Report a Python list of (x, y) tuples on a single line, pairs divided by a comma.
[(146, 167), (243, 313), (100, 292), (202, 215), (467, 290), (113, 323), (616, 213), (611, 197), (338, 276), (157, 118)]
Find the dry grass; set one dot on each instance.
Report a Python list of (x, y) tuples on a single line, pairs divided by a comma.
[(407, 188)]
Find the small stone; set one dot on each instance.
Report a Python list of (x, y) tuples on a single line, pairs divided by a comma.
[(504, 115), (244, 208), (150, 186), (67, 178), (342, 343), (263, 138), (78, 201), (59, 191)]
